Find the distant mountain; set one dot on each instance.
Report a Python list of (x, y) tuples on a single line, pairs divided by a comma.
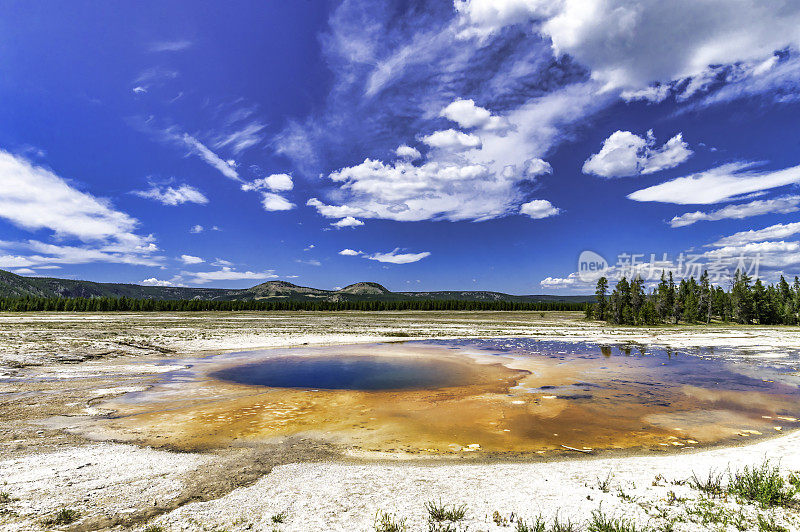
[(12, 285)]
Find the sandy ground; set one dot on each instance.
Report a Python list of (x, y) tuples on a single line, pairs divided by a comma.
[(55, 369)]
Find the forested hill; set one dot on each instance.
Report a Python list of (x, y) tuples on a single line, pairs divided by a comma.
[(17, 286)]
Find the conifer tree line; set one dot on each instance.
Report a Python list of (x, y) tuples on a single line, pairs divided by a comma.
[(697, 301), (125, 304)]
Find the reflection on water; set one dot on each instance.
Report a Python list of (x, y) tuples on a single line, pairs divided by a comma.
[(350, 373), (498, 396)]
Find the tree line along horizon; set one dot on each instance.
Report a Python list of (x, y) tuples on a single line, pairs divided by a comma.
[(697, 301), (127, 304)]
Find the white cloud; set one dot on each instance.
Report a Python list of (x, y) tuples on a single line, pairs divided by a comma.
[(536, 167), (202, 151), (196, 229), (560, 282), (783, 205), (34, 198), (139, 89), (773, 232), (347, 252), (719, 184), (468, 115), (626, 154), (41, 254), (275, 202), (450, 139), (152, 281), (407, 152), (348, 221), (771, 254), (23, 271), (538, 209), (173, 196), (394, 257), (630, 44), (227, 274), (170, 46), (241, 139), (191, 259), (310, 262), (274, 183), (475, 184), (221, 262)]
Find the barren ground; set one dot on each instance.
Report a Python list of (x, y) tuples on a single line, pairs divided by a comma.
[(56, 369)]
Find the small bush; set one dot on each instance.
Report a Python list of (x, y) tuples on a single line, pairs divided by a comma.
[(566, 526), (763, 484), (279, 518), (64, 516), (385, 522), (5, 497), (442, 512), (155, 528)]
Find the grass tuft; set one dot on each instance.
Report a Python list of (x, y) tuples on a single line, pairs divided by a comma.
[(770, 525), (64, 516), (438, 512), (155, 528), (279, 518), (762, 484), (386, 522), (710, 485), (537, 525), (601, 523)]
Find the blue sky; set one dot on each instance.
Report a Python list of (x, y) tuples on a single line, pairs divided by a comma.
[(423, 145)]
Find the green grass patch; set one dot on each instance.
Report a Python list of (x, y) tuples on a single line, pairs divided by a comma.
[(386, 522), (64, 516), (438, 512), (602, 523), (763, 485)]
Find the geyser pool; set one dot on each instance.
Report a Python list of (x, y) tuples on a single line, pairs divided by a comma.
[(346, 372)]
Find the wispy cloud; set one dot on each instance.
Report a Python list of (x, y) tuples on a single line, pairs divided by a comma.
[(227, 274), (783, 205), (176, 45), (719, 184), (191, 259), (173, 196), (395, 257)]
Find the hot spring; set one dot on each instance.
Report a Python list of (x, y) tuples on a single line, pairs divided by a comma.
[(501, 397)]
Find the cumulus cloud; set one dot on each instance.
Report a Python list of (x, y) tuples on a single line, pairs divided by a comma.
[(274, 183), (625, 154), (783, 205), (560, 282), (152, 281), (196, 229), (407, 152), (630, 45), (394, 257), (450, 139), (468, 115), (227, 274), (347, 252), (275, 202), (348, 221), (191, 259), (722, 183), (538, 209), (173, 196)]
